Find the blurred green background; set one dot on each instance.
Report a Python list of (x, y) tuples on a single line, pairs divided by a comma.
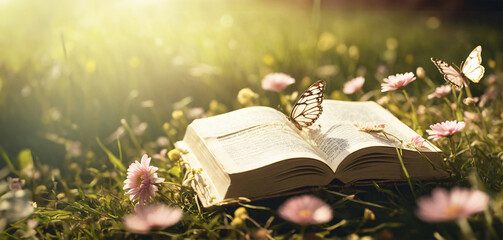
[(71, 70)]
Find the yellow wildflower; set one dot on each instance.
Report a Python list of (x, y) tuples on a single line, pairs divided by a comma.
[(246, 96), (268, 59), (134, 62)]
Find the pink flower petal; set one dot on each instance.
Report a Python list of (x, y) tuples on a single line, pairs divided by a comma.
[(397, 81), (276, 81), (305, 210), (148, 217), (140, 181), (446, 206), (445, 129), (353, 85), (440, 92)]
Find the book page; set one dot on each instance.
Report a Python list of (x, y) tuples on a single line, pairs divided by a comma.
[(238, 120), (251, 138), (338, 137)]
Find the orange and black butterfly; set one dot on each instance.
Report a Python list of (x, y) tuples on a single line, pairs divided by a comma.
[(308, 107)]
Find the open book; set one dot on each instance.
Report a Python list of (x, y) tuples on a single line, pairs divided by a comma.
[(256, 152)]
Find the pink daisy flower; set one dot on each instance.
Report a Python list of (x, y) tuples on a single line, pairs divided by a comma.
[(276, 81), (440, 92), (148, 217), (353, 85), (141, 179), (445, 206), (397, 81), (417, 142), (370, 127), (305, 210), (445, 129)]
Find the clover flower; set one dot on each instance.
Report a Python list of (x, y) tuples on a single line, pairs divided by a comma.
[(276, 81), (148, 217), (445, 129), (397, 81), (353, 85), (456, 204), (305, 210), (440, 92), (141, 179)]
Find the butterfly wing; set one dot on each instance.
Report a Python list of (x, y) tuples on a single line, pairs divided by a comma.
[(308, 107), (451, 74), (472, 68)]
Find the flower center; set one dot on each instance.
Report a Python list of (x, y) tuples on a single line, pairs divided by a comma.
[(305, 213), (453, 210), (139, 180)]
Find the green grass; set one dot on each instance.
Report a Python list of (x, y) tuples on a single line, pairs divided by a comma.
[(70, 71)]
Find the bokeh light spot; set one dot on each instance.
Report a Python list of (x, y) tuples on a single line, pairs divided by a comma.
[(226, 21), (433, 22), (134, 62)]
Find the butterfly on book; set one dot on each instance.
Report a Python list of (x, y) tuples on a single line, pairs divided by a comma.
[(308, 107), (470, 69)]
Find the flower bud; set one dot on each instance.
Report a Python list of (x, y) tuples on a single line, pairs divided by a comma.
[(177, 114), (241, 213), (237, 222), (174, 154), (60, 196), (368, 215), (420, 73), (470, 101)]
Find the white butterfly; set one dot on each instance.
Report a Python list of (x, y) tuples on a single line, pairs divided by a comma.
[(470, 69), (308, 107)]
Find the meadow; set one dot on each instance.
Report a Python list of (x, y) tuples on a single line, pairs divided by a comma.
[(88, 87)]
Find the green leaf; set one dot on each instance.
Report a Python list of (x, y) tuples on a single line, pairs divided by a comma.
[(24, 158), (9, 162), (113, 159), (175, 171)]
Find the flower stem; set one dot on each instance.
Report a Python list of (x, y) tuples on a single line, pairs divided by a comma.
[(131, 135), (468, 92), (415, 123), (405, 172), (483, 122), (453, 148), (459, 116), (449, 104), (399, 153), (466, 229), (302, 232)]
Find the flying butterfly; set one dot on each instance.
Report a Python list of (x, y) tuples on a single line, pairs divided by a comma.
[(308, 107), (470, 69)]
